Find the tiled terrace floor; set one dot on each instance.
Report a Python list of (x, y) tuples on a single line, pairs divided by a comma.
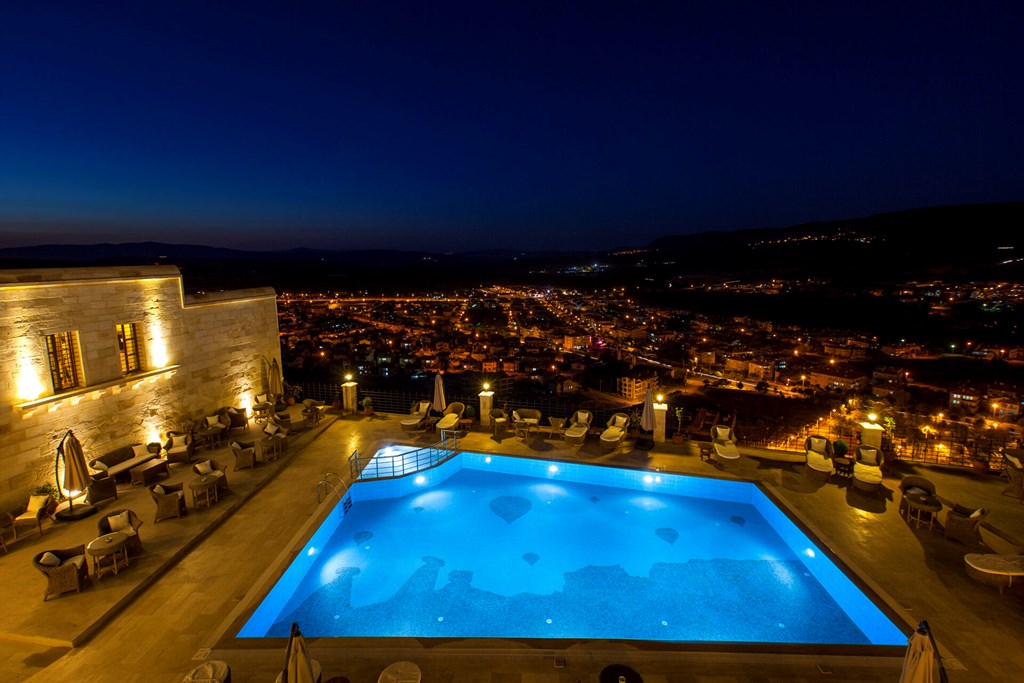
[(179, 597)]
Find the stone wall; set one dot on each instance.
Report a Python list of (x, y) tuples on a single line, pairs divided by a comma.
[(199, 353)]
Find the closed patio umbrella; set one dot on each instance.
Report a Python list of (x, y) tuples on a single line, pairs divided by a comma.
[(276, 384), (439, 402), (76, 473), (922, 661), (647, 420), (298, 665)]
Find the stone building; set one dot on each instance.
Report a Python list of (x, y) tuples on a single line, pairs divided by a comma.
[(119, 355)]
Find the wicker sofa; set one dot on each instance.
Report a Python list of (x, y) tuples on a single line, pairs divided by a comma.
[(118, 461)]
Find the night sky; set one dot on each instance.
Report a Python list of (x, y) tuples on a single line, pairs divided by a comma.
[(450, 127)]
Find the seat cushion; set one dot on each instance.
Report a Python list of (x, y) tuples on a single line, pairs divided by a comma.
[(49, 560), (449, 420), (612, 434), (121, 522)]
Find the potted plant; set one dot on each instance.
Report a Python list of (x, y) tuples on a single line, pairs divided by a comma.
[(469, 413), (677, 438), (336, 401), (56, 496), (367, 404), (980, 462), (292, 393), (840, 448)]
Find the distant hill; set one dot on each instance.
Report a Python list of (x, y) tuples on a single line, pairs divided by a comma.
[(963, 241), (952, 242)]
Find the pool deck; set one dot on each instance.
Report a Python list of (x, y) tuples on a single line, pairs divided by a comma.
[(172, 607)]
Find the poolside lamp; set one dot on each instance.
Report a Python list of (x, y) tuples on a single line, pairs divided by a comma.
[(487, 386), (348, 377)]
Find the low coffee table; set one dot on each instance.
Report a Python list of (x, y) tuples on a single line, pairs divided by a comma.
[(147, 473), (107, 552)]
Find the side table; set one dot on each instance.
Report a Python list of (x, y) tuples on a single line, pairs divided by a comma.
[(922, 508), (107, 552), (204, 490), (844, 466)]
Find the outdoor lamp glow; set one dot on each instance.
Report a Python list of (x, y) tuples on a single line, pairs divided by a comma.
[(660, 398), (487, 386), (348, 377), (872, 417)]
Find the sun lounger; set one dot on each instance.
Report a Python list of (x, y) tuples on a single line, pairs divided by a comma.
[(723, 443), (417, 418), (451, 417), (579, 425), (612, 436), (994, 569)]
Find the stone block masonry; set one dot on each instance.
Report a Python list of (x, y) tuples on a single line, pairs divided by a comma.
[(197, 354)]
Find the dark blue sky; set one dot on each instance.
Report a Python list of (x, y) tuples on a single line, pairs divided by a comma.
[(450, 127)]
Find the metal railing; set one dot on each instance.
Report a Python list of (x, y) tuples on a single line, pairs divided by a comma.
[(403, 463), (401, 402), (331, 480)]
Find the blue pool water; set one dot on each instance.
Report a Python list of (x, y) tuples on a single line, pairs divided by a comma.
[(496, 547)]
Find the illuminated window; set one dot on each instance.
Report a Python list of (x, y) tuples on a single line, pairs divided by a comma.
[(128, 342), (65, 360)]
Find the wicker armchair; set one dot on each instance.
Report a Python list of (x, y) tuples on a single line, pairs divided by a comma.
[(169, 499), (100, 489), (245, 455), (70, 573), (964, 525), (104, 526), (179, 447), (238, 418), (216, 469)]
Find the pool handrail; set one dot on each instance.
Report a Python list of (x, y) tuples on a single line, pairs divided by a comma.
[(410, 462), (327, 480)]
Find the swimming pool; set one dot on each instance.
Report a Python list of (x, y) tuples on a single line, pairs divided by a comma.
[(495, 547)]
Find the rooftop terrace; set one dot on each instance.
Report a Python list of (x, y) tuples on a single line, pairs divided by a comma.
[(180, 599)]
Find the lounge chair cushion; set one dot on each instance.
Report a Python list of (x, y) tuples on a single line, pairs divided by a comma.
[(35, 504), (121, 523), (620, 421), (449, 420), (817, 444), (868, 457), (180, 441), (49, 560), (271, 429), (160, 490), (140, 450), (915, 491), (212, 420), (203, 468)]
